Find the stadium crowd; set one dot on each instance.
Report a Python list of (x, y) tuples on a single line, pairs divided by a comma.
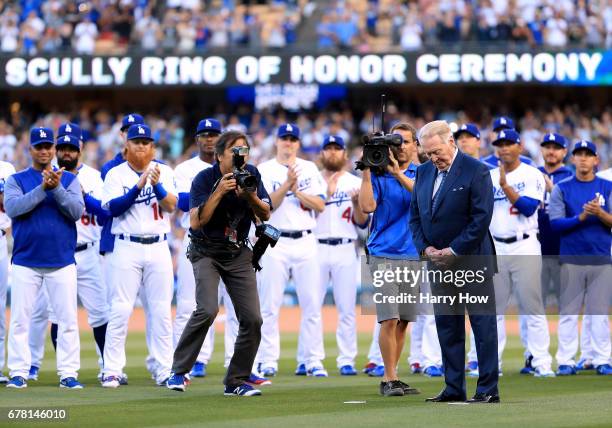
[(32, 27)]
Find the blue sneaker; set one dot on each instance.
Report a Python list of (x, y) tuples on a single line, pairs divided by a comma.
[(123, 379), (244, 390), (379, 371), (258, 380), (585, 364), (348, 370), (17, 382), (33, 374), (369, 367), (566, 370), (70, 383), (528, 369), (198, 370), (176, 382), (268, 372), (318, 371), (433, 371), (301, 370), (604, 370), (471, 365)]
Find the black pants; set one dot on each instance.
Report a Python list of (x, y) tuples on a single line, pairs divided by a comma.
[(239, 278)]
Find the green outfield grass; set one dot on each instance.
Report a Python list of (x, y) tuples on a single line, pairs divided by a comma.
[(583, 400)]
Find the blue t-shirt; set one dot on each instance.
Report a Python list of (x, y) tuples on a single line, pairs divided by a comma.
[(550, 240), (389, 233), (494, 160), (230, 207), (590, 237)]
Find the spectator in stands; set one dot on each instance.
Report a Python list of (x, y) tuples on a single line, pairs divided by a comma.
[(555, 32), (187, 33), (31, 32), (9, 34), (7, 142), (85, 34), (148, 31), (411, 35), (325, 31), (447, 30), (346, 30)]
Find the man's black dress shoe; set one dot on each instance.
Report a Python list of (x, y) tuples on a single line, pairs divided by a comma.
[(484, 398), (443, 398)]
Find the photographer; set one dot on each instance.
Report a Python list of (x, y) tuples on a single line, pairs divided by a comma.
[(387, 194), (221, 213)]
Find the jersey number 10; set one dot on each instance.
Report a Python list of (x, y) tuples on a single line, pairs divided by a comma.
[(157, 211)]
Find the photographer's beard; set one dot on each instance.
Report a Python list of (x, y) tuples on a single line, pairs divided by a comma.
[(333, 164)]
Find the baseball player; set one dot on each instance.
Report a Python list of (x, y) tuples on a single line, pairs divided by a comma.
[(335, 232), (6, 170), (140, 194), (297, 190), (91, 287), (44, 204), (207, 133), (107, 243), (518, 191), (580, 209), (500, 124)]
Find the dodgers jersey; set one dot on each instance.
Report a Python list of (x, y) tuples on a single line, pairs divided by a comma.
[(184, 173), (88, 227), (507, 221), (145, 216), (291, 215), (336, 221), (6, 170)]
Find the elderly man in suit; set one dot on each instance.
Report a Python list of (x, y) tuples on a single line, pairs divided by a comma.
[(449, 218)]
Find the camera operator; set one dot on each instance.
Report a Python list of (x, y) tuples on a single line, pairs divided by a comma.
[(221, 213), (387, 194)]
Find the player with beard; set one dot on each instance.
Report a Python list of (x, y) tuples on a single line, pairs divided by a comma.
[(336, 234)]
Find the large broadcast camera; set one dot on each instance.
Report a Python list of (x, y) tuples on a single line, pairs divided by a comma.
[(244, 179), (377, 145)]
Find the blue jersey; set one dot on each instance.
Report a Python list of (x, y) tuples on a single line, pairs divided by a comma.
[(389, 233), (550, 240), (107, 240), (494, 160), (587, 238), (44, 236)]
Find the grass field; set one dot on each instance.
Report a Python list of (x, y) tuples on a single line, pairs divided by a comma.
[(580, 401)]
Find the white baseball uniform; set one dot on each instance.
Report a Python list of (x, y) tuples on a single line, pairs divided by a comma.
[(185, 172), (91, 288), (296, 256), (338, 262), (517, 272), (141, 258), (6, 169)]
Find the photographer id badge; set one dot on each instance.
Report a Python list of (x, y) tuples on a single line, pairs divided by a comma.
[(231, 235)]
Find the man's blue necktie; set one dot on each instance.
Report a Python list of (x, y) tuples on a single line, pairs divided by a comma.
[(438, 191)]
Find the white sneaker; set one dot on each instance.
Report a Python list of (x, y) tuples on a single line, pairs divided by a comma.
[(3, 379), (544, 371), (317, 372), (110, 382)]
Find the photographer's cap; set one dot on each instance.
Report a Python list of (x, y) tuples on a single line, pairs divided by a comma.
[(131, 119), (41, 135), (468, 128), (507, 135), (502, 122), (208, 125), (140, 131), (333, 139), (585, 145), (68, 140), (554, 138), (289, 129), (70, 129)]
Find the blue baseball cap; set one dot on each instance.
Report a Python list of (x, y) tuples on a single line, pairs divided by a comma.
[(507, 135), (503, 122), (139, 131), (554, 138), (68, 140), (468, 128), (70, 129), (585, 145), (131, 119), (333, 139), (41, 135), (288, 129), (208, 125)]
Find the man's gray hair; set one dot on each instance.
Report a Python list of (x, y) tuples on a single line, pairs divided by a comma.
[(437, 127)]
